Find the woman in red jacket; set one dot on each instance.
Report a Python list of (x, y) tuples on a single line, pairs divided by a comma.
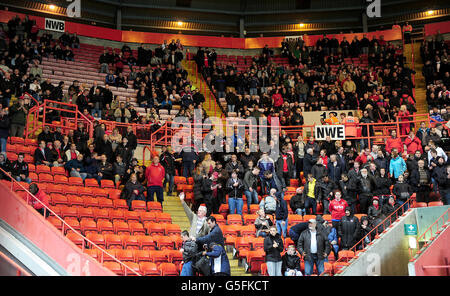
[(337, 208), (413, 143), (277, 99), (394, 142), (41, 196), (155, 175)]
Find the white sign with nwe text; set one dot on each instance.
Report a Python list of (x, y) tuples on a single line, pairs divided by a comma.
[(335, 132)]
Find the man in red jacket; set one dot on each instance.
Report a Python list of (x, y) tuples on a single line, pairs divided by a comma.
[(41, 196), (337, 208), (155, 174), (394, 142)]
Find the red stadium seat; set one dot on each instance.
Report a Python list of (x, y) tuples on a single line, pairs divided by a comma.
[(91, 183), (98, 192), (168, 269), (234, 219), (60, 180), (254, 260), (253, 208), (75, 181), (149, 268), (87, 191), (113, 241), (154, 206), (69, 189), (33, 176), (131, 216), (76, 239), (116, 215), (120, 204), (90, 202), (40, 169), (154, 228), (107, 184), (163, 218), (131, 269), (97, 239), (58, 199), (114, 193), (88, 226), (114, 267), (141, 256), (146, 242), (249, 219), (75, 200), (435, 203), (73, 223), (164, 242), (170, 229), (158, 256), (219, 219), (248, 230), (105, 203), (58, 171), (106, 255), (130, 242), (420, 205), (125, 255), (68, 212), (121, 227), (138, 205), (94, 253), (105, 227), (45, 178), (147, 217), (294, 219), (55, 222)]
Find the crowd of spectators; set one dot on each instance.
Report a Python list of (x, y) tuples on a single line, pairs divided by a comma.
[(436, 71), (338, 180), (319, 78)]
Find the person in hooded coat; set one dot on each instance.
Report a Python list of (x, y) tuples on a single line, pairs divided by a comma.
[(348, 229), (41, 196), (364, 230), (374, 212), (273, 246), (291, 262)]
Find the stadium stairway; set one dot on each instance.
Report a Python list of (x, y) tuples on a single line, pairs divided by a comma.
[(172, 205), (420, 87), (211, 106)]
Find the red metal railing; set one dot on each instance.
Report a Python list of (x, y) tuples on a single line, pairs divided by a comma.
[(20, 271), (66, 226), (430, 232)]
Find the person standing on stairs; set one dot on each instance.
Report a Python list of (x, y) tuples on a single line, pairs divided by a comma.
[(198, 225), (155, 174)]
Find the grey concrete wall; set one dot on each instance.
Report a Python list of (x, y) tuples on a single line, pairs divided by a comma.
[(389, 255)]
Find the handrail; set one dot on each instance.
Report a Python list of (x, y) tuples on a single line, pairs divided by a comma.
[(430, 228), (65, 224), (381, 224), (20, 270)]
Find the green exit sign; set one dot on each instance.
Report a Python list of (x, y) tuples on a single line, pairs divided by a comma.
[(410, 229)]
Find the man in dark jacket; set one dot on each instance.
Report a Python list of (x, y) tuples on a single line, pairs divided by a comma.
[(133, 190), (334, 169), (314, 251), (281, 215), (42, 155), (309, 161), (327, 186), (19, 169), (167, 160), (220, 266), (4, 128), (189, 158), (296, 230), (420, 180), (366, 185), (348, 229), (284, 166), (235, 166), (251, 186), (297, 202), (18, 118), (215, 234)]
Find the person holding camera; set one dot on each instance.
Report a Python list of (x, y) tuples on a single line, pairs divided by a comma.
[(220, 265)]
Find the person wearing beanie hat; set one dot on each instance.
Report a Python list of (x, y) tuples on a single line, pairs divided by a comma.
[(374, 212), (348, 229), (297, 202), (365, 228), (388, 210)]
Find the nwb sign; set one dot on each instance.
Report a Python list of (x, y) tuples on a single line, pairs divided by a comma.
[(335, 132), (54, 25)]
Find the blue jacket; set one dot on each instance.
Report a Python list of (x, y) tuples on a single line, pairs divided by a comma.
[(265, 166), (215, 235), (297, 229), (332, 236), (74, 163), (219, 260), (397, 166)]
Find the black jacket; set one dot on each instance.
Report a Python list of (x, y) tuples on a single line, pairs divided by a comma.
[(415, 180), (290, 261), (348, 231), (279, 166), (168, 162), (40, 157), (402, 191), (297, 202), (318, 171), (308, 162), (18, 169), (281, 212), (273, 254), (197, 189), (382, 186), (235, 192), (304, 245), (130, 187)]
